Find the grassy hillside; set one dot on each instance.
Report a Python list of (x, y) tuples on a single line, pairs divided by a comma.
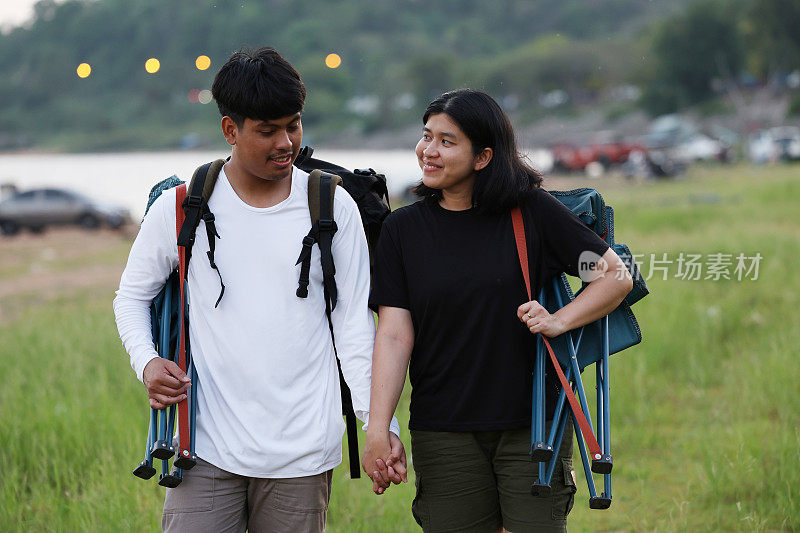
[(705, 420), (396, 56)]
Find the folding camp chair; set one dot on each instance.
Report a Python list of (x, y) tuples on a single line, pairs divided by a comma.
[(575, 350), (600, 462), (161, 430)]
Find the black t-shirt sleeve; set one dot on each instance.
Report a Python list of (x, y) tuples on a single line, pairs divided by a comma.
[(564, 236), (389, 285)]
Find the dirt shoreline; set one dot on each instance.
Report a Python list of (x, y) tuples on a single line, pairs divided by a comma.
[(36, 268)]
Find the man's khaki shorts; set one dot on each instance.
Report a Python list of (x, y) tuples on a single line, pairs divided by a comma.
[(211, 499), (481, 481)]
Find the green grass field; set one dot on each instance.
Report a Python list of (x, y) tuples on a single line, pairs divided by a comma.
[(706, 411)]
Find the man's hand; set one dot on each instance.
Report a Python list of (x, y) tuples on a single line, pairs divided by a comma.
[(539, 320), (384, 461), (166, 383)]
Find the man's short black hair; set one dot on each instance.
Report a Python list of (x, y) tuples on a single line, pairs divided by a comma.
[(258, 84)]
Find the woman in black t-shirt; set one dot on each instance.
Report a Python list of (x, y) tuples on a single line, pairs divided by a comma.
[(452, 304)]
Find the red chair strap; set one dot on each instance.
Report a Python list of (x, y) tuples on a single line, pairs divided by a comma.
[(183, 407)]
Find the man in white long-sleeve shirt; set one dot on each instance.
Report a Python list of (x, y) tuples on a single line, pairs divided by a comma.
[(269, 422)]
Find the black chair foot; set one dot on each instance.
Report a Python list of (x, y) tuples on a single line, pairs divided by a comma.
[(185, 460), (145, 470), (602, 465), (541, 452), (599, 502), (539, 489), (162, 449), (170, 480)]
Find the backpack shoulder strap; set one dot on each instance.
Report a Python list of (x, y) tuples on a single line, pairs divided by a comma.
[(321, 194), (198, 193), (315, 201), (195, 208), (313, 196), (327, 227)]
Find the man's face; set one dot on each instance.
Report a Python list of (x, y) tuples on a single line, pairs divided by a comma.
[(265, 149)]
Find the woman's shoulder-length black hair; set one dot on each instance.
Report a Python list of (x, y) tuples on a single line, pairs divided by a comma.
[(507, 180)]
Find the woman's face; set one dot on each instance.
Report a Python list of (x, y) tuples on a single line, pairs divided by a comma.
[(445, 155)]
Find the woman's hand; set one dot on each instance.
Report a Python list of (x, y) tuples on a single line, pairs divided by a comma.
[(539, 320), (384, 461), (397, 459), (596, 300)]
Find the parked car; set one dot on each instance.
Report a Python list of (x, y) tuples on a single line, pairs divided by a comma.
[(700, 147), (781, 143), (38, 208), (571, 158), (788, 140), (652, 164), (761, 148), (679, 139)]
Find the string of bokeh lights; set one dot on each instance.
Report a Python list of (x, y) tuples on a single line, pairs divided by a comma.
[(202, 62)]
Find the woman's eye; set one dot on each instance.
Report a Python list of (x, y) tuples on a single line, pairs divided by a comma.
[(446, 142), (426, 137)]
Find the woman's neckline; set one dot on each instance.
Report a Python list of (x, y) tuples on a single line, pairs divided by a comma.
[(439, 207)]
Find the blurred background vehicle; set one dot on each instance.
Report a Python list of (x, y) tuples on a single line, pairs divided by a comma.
[(788, 140), (771, 145), (36, 209), (687, 144), (761, 148), (597, 156)]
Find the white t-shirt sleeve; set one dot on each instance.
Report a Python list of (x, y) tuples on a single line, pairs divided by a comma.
[(153, 256), (353, 322)]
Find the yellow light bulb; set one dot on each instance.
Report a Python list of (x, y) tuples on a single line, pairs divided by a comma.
[(152, 65), (333, 61), (202, 62), (83, 70)]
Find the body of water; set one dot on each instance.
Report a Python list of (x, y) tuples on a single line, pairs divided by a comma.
[(126, 178)]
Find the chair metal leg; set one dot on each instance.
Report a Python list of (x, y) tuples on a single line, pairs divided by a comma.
[(145, 469), (540, 450)]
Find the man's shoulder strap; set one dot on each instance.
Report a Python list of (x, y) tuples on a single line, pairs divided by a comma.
[(319, 184), (195, 207), (197, 195), (321, 193), (204, 179)]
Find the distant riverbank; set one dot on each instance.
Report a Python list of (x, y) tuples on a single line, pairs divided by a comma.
[(126, 178)]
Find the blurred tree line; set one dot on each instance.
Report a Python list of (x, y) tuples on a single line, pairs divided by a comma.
[(728, 42), (397, 55)]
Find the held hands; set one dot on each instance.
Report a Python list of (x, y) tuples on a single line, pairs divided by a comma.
[(539, 320), (384, 461), (166, 383)]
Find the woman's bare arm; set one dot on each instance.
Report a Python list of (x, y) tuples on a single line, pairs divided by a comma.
[(394, 341), (599, 298)]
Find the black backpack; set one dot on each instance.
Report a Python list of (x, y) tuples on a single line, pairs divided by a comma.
[(366, 187)]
